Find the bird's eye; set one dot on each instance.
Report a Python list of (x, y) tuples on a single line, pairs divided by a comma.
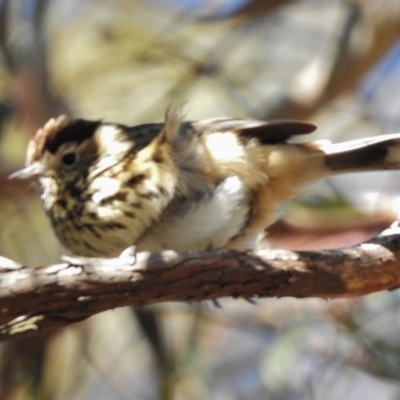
[(70, 159)]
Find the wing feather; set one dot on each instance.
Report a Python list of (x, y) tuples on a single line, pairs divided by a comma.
[(267, 132)]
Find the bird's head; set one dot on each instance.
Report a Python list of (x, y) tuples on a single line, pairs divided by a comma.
[(66, 155), (102, 184)]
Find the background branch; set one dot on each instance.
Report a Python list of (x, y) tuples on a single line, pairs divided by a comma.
[(325, 78)]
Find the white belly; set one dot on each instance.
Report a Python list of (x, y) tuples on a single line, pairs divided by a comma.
[(206, 224)]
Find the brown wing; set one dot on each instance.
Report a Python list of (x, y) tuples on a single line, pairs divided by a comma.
[(267, 132), (278, 131)]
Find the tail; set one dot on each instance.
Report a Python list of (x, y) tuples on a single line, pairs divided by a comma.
[(372, 154)]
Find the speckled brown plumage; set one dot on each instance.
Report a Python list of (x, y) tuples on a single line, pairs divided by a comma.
[(181, 185)]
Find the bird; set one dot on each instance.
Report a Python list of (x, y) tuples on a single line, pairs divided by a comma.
[(181, 185)]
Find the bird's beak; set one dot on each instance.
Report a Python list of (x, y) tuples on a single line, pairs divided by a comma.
[(31, 172)]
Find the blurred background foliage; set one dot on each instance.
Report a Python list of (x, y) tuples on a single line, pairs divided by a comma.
[(334, 62)]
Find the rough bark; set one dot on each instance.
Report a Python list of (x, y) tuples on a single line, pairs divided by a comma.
[(49, 297)]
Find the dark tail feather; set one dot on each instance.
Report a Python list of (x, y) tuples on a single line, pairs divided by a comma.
[(373, 154)]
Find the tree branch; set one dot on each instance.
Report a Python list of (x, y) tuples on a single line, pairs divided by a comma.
[(48, 297)]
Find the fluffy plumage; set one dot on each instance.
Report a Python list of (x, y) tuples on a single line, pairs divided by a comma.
[(181, 185)]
